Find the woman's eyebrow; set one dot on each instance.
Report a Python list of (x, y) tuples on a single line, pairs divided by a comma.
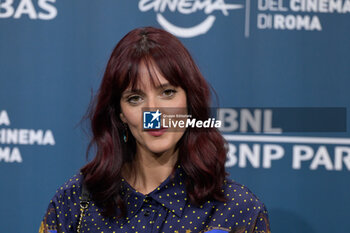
[(139, 91), (163, 85), (132, 91)]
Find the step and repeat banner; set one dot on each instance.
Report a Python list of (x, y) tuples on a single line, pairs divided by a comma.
[(280, 68)]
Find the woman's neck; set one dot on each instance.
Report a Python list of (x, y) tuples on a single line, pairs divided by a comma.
[(149, 170)]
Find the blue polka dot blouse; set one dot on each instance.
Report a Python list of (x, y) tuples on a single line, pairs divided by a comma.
[(165, 209)]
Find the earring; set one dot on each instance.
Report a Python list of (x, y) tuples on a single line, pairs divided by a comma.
[(126, 134)]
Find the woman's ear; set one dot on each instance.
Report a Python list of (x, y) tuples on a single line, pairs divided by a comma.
[(122, 117)]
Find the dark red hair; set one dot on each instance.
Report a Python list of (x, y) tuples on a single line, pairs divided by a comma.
[(202, 153)]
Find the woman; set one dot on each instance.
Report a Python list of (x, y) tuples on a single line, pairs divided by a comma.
[(159, 180)]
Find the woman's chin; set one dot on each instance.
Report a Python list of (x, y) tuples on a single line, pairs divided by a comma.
[(159, 147), (159, 150)]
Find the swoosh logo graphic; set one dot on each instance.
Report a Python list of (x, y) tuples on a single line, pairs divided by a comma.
[(199, 29)]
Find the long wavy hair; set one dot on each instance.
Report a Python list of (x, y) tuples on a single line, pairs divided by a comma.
[(202, 153)]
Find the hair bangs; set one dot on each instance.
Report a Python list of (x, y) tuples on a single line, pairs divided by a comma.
[(168, 65), (133, 78)]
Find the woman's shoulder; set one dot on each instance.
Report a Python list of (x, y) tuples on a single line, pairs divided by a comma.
[(241, 210), (233, 187), (70, 191), (240, 198), (64, 208)]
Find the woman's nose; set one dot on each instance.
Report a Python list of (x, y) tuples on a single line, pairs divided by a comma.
[(152, 102)]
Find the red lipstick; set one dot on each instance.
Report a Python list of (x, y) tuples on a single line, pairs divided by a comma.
[(157, 132)]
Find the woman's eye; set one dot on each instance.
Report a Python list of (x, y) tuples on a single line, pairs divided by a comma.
[(135, 99), (169, 92)]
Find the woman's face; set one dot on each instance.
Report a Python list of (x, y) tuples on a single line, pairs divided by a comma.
[(160, 95)]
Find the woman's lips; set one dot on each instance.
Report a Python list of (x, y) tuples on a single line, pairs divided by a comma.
[(157, 132)]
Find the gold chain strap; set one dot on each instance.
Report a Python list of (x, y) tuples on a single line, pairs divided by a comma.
[(83, 206)]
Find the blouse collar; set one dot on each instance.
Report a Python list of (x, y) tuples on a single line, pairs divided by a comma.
[(171, 194)]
